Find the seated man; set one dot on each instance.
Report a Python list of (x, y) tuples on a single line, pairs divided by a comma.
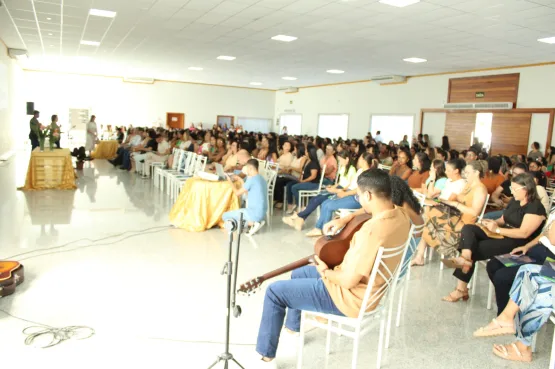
[(257, 198), (339, 291), (133, 140)]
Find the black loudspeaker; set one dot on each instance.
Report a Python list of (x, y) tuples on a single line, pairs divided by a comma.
[(30, 108)]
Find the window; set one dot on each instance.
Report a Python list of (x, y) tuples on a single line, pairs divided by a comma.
[(392, 127), (483, 129), (256, 125), (333, 125), (292, 122)]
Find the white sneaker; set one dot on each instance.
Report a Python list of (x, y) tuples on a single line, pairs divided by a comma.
[(256, 227)]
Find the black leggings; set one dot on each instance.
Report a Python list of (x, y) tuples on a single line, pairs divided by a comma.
[(503, 277), (483, 247)]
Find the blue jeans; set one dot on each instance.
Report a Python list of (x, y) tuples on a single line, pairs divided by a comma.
[(493, 215), (330, 206), (126, 161), (304, 291), (307, 186), (313, 205)]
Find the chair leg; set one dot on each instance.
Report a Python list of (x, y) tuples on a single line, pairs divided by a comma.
[(474, 277), (355, 349), (328, 338), (490, 295), (389, 317), (535, 337), (440, 263), (301, 342), (380, 344), (552, 360), (399, 307)]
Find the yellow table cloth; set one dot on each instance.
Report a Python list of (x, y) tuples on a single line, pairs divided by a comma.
[(50, 170), (105, 150), (201, 204)]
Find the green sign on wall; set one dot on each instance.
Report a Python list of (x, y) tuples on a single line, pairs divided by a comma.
[(480, 95)]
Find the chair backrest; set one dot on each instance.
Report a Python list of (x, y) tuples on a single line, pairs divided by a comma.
[(190, 160), (551, 193), (337, 175), (384, 167), (412, 246), (389, 276), (200, 164), (483, 209), (184, 160), (322, 176), (177, 158), (420, 196)]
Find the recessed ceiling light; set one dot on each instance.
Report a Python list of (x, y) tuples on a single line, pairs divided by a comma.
[(284, 38), (48, 19), (399, 3), (102, 13), (195, 68), (547, 40), (90, 43), (289, 78), (50, 34), (335, 71), (415, 60), (256, 83), (225, 57)]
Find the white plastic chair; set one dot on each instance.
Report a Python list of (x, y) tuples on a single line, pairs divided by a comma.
[(484, 262), (158, 168), (306, 195), (178, 181), (178, 165), (384, 167), (356, 328), (271, 177)]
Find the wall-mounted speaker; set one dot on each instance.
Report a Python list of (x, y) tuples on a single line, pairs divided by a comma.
[(30, 108)]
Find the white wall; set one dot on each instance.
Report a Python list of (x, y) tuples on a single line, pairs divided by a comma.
[(538, 130), (360, 100), (12, 107), (434, 127), (118, 103)]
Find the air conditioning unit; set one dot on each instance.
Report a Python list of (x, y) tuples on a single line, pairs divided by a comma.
[(490, 105), (289, 89), (18, 54), (388, 79), (138, 80)]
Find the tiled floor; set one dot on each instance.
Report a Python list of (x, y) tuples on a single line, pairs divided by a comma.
[(104, 256)]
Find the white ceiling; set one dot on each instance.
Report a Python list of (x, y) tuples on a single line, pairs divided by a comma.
[(162, 38)]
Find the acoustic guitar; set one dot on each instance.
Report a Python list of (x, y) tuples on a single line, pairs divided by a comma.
[(330, 249), (11, 275)]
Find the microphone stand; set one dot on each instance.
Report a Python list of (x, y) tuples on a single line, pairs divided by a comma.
[(231, 226)]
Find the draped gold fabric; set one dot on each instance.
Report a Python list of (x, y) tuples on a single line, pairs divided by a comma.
[(105, 150), (50, 170), (201, 204)]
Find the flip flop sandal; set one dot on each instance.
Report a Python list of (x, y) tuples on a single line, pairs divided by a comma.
[(497, 330), (512, 356)]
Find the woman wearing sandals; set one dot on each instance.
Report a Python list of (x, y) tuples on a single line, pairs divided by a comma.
[(532, 302), (522, 221), (446, 219)]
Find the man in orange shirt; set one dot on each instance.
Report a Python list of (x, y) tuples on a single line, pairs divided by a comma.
[(339, 291)]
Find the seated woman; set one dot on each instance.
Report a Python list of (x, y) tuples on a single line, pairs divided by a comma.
[(292, 173), (268, 150), (443, 223), (542, 193), (330, 162), (521, 222), (229, 160), (421, 164), (436, 181), (502, 277), (217, 150), (344, 200), (384, 155), (535, 166), (346, 186), (530, 305), (493, 178), (502, 195), (309, 181), (402, 167)]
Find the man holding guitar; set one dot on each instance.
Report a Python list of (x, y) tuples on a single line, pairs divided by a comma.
[(340, 290)]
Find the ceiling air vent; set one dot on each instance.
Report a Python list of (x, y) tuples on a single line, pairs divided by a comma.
[(388, 79), (491, 105), (138, 80)]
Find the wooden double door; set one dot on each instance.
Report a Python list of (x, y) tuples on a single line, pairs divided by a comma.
[(175, 120), (510, 131)]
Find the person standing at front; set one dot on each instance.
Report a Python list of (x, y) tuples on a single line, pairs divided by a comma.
[(92, 132), (55, 128), (338, 291), (34, 126)]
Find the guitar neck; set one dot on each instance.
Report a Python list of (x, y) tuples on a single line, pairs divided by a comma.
[(289, 267)]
